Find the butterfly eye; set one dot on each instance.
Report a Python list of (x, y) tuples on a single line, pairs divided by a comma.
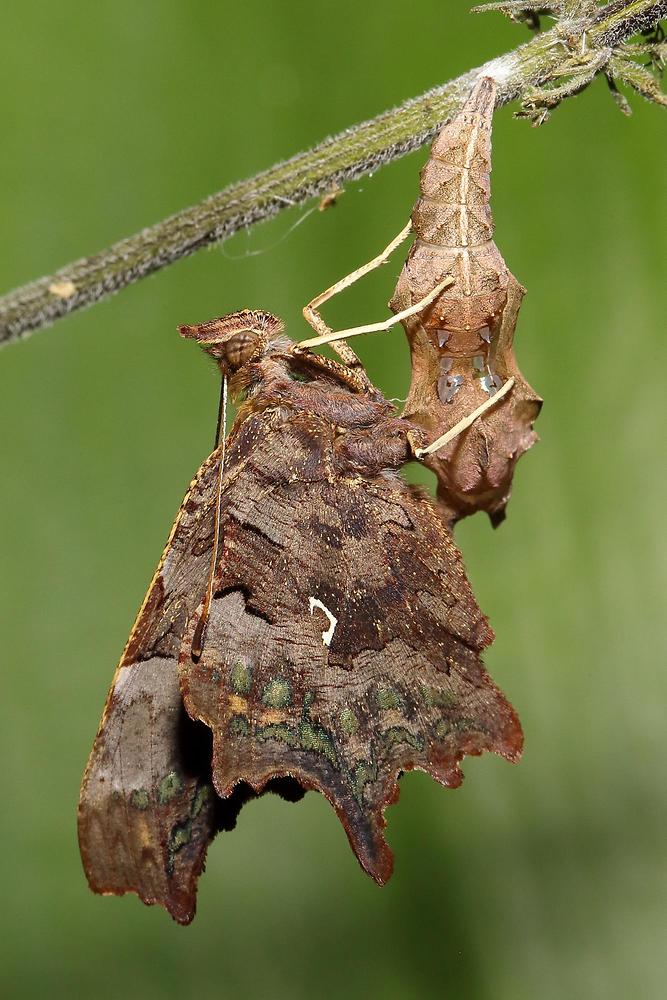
[(235, 339), (238, 349)]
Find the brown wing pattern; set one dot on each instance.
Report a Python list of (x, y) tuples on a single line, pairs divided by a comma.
[(341, 648), (343, 642), (147, 808)]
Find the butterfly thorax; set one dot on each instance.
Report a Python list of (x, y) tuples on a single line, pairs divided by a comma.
[(336, 429)]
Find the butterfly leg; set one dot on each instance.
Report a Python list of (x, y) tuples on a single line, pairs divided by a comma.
[(332, 337), (311, 313), (351, 376), (466, 422)]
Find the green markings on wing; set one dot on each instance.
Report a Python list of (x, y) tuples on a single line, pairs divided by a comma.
[(183, 831), (389, 698), (317, 738), (445, 727), (240, 678), (239, 726), (393, 738), (448, 725), (437, 698), (280, 732), (349, 723), (306, 734), (277, 693), (169, 788), (202, 796), (400, 736), (365, 772)]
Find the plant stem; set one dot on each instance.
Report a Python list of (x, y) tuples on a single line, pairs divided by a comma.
[(350, 154)]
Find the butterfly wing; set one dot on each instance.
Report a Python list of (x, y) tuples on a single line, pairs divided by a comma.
[(148, 810), (343, 643)]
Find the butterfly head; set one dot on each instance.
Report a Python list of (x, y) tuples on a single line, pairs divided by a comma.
[(236, 339)]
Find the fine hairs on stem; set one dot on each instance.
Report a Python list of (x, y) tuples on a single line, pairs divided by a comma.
[(586, 40)]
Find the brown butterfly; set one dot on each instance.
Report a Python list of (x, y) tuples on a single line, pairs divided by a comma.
[(310, 626)]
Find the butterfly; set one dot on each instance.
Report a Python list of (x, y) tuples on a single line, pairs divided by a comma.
[(309, 626)]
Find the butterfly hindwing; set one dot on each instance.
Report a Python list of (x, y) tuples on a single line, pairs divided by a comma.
[(343, 644), (147, 808)]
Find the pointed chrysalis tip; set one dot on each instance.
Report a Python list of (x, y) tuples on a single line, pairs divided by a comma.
[(482, 97), (499, 70)]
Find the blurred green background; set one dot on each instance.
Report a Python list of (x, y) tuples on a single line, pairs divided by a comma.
[(543, 880)]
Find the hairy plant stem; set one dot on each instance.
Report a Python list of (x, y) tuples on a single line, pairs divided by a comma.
[(350, 154)]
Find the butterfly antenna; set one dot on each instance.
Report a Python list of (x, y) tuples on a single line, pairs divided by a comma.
[(221, 442)]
